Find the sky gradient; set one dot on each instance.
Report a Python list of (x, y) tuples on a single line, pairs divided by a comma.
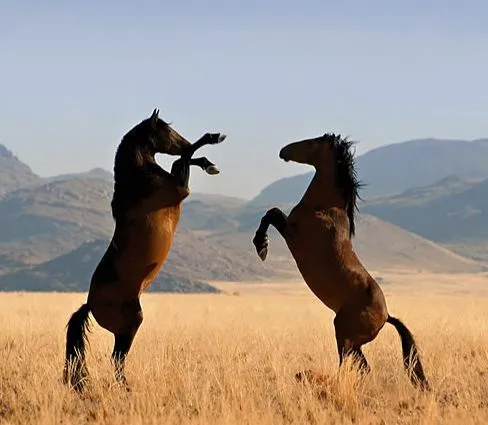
[(76, 76)]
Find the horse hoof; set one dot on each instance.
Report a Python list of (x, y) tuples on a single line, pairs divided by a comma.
[(215, 138), (212, 170), (261, 244), (263, 253)]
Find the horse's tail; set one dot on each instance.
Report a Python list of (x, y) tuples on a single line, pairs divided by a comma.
[(75, 369), (411, 359)]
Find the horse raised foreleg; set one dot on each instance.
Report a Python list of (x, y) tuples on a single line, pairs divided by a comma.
[(206, 139), (274, 217), (181, 171), (181, 167), (205, 164)]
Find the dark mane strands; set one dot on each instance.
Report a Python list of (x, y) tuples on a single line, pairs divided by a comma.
[(347, 178), (135, 148)]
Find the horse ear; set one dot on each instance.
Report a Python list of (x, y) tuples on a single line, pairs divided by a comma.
[(154, 118)]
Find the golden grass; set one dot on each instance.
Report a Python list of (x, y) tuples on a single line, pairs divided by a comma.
[(222, 359)]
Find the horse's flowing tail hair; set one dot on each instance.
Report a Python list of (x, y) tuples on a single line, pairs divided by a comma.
[(411, 359), (75, 368)]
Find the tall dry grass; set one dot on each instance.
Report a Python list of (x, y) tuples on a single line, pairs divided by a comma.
[(220, 359)]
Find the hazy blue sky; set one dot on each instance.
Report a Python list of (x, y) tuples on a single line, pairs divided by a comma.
[(76, 75)]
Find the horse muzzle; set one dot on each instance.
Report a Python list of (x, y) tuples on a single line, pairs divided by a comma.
[(284, 154)]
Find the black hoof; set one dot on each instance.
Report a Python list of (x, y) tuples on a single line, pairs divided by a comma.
[(75, 378), (122, 382), (77, 384), (260, 241), (212, 170), (215, 138)]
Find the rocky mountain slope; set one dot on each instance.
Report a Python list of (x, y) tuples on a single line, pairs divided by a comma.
[(53, 231)]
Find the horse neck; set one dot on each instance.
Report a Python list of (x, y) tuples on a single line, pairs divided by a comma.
[(322, 192), (129, 158)]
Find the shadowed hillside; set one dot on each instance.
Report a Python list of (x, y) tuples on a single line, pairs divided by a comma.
[(42, 222), (95, 173), (380, 245), (452, 210), (72, 272), (47, 229)]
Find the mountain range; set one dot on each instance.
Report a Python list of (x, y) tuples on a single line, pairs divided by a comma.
[(422, 210)]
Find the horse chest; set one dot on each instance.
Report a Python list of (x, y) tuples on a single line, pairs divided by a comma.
[(146, 241), (155, 234), (312, 238), (324, 278), (307, 232)]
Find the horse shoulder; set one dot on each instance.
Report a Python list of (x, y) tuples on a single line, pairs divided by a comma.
[(335, 221), (168, 193), (158, 190)]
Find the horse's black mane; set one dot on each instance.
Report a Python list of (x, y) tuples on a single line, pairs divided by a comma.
[(130, 183), (346, 176)]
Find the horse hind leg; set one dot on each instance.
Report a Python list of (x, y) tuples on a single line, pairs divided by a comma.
[(132, 314), (356, 353), (350, 338), (75, 371)]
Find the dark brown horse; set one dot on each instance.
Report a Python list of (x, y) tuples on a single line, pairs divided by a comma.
[(146, 206), (318, 232)]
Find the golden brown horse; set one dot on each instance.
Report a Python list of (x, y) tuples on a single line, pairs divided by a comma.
[(318, 232), (146, 206)]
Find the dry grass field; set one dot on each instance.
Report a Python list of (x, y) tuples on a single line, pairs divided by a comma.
[(231, 359)]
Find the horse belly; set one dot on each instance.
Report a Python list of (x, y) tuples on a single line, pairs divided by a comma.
[(320, 271), (324, 287)]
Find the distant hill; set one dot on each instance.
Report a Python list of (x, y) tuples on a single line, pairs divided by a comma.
[(41, 222), (379, 245), (395, 168), (95, 173), (451, 210), (14, 174), (72, 272), (229, 256), (53, 231), (211, 212), (382, 245)]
